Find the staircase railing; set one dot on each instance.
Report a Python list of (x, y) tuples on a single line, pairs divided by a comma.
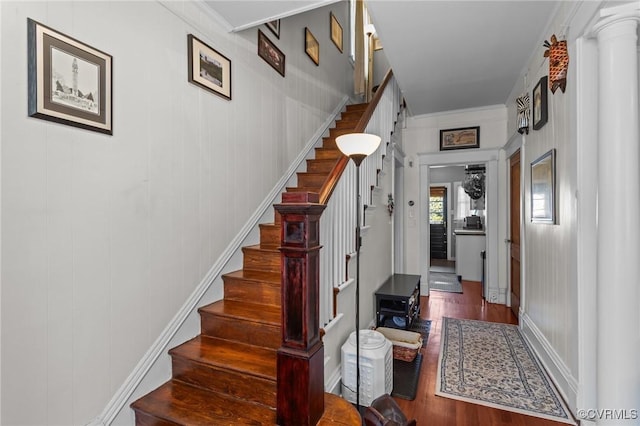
[(338, 222)]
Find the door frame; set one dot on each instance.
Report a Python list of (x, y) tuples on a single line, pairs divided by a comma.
[(494, 292), (515, 143)]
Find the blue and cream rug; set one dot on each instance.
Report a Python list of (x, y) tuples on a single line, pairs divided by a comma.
[(491, 364)]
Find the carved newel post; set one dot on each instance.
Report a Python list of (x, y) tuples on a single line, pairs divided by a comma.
[(301, 355)]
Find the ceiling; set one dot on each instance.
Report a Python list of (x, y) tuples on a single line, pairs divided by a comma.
[(446, 55)]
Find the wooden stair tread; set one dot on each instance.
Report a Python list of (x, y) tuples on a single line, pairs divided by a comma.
[(318, 174), (180, 403), (302, 189), (257, 276), (235, 356), (261, 247), (266, 314)]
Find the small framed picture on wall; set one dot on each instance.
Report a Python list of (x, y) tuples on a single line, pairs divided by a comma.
[(540, 104)]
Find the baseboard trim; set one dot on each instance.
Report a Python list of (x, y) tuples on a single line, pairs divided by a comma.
[(123, 397), (558, 371), (332, 384)]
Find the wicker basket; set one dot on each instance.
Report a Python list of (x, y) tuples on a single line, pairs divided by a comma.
[(406, 344)]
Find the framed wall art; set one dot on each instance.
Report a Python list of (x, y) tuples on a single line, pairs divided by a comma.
[(270, 53), (465, 137), (540, 104), (208, 68), (274, 26), (70, 82), (311, 46), (335, 31), (543, 184), (377, 44)]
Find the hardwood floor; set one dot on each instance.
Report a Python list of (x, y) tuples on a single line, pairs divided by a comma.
[(431, 410)]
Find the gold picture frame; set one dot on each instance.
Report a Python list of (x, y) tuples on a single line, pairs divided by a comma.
[(311, 46), (335, 31)]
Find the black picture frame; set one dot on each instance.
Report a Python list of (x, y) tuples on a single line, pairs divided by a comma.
[(543, 188), (539, 108), (270, 53), (69, 82), (274, 26), (460, 138), (208, 68), (311, 46)]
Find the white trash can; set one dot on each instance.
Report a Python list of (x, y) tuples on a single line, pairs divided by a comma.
[(376, 367)]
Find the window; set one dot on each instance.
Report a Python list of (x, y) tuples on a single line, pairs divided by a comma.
[(437, 203), (463, 202)]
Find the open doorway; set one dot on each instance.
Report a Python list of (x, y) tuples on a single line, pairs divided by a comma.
[(439, 227), (455, 213)]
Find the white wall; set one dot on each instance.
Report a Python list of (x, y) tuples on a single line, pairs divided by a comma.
[(105, 237), (549, 310), (422, 137)]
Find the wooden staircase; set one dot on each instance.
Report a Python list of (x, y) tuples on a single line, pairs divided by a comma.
[(227, 374)]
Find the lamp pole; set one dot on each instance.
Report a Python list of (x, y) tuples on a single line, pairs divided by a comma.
[(357, 159), (358, 146)]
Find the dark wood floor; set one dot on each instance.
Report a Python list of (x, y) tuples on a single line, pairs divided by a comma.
[(431, 410)]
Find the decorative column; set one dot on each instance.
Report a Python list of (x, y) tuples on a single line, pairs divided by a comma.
[(618, 247), (300, 400)]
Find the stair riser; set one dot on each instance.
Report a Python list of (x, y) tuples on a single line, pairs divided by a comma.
[(242, 290), (351, 116), (270, 235), (329, 143), (237, 330), (338, 132), (311, 180), (357, 107), (346, 124), (323, 154), (315, 166), (232, 383), (145, 419), (262, 260)]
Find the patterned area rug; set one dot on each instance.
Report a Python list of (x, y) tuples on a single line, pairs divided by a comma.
[(491, 364), (444, 282)]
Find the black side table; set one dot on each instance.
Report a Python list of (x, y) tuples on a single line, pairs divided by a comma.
[(398, 297)]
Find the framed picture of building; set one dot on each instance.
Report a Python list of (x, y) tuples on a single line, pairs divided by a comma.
[(70, 82), (208, 68)]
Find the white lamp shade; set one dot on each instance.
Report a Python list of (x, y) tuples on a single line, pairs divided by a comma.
[(358, 144)]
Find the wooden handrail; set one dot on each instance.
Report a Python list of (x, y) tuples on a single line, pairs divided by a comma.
[(334, 177)]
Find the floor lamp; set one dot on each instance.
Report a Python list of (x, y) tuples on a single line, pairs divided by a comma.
[(358, 146)]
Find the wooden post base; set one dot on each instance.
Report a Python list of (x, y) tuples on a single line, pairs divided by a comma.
[(300, 386)]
